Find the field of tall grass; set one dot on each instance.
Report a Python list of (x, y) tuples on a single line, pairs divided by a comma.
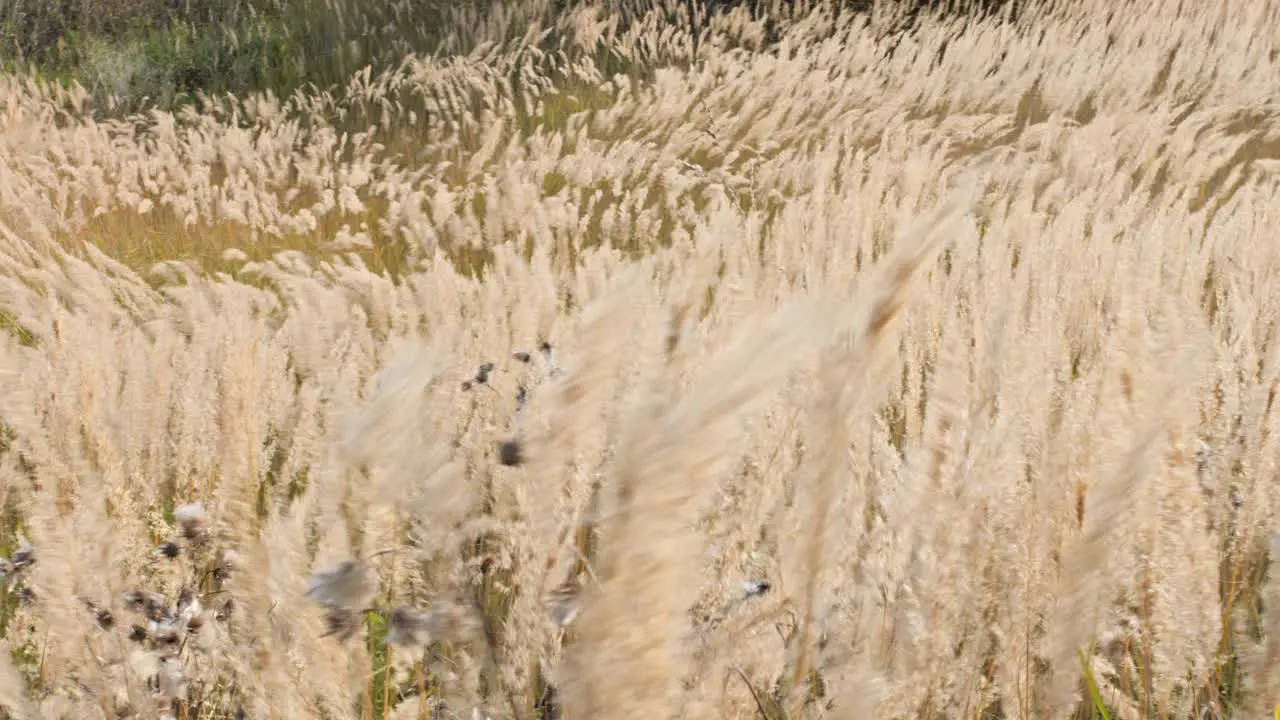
[(619, 363)]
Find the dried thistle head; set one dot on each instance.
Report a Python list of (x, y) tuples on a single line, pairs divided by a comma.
[(340, 623), (451, 622), (564, 602), (351, 584), (192, 521), (191, 612), (756, 588), (24, 557), (480, 378), (511, 453), (407, 628), (224, 611), (149, 604), (227, 565), (188, 605), (169, 550), (105, 619), (167, 639), (170, 682), (103, 616), (549, 355)]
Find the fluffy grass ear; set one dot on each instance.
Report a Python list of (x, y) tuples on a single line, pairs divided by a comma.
[(846, 391), (632, 650), (632, 634)]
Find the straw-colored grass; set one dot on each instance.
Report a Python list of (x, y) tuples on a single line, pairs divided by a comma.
[(866, 373)]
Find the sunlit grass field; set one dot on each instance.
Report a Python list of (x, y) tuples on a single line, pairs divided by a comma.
[(612, 360)]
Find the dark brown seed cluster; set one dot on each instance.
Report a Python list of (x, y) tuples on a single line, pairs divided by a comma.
[(481, 377), (407, 627), (192, 531), (340, 623), (344, 591), (150, 605), (193, 524), (13, 569), (511, 453), (223, 613), (103, 616)]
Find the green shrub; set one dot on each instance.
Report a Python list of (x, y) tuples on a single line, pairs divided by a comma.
[(163, 51)]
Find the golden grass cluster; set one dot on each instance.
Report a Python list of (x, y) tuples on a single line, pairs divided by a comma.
[(622, 372)]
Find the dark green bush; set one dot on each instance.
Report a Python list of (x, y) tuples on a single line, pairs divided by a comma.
[(151, 51), (162, 52)]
